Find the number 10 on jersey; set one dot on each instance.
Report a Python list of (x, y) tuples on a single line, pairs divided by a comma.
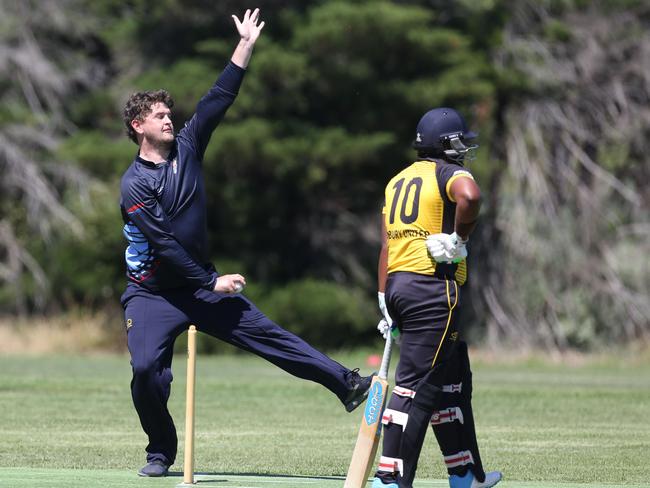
[(411, 195)]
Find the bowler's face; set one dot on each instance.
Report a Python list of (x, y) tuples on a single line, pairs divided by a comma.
[(157, 126)]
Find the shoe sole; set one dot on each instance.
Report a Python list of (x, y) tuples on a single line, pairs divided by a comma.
[(355, 403)]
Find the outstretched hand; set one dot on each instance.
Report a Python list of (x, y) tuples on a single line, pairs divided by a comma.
[(248, 27)]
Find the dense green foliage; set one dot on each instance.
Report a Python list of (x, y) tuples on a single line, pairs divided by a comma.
[(296, 171)]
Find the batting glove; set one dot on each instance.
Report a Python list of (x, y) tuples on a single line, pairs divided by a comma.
[(385, 329), (381, 298), (446, 248)]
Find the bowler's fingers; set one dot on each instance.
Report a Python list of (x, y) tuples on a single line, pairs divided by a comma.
[(249, 20), (236, 283), (244, 20)]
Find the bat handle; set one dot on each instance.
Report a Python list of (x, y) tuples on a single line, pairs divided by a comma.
[(385, 360)]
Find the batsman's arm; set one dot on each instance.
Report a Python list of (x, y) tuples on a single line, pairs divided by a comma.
[(382, 265), (467, 195), (382, 273)]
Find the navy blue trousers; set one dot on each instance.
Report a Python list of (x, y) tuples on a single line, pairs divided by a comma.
[(155, 320)]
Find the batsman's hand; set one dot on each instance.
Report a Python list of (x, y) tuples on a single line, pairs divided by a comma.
[(446, 248), (248, 27), (385, 329), (231, 284)]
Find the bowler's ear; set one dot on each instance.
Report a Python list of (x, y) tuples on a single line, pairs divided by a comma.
[(136, 124)]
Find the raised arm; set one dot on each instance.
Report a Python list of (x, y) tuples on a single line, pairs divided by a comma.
[(213, 106)]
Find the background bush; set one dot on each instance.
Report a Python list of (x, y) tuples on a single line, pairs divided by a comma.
[(295, 174)]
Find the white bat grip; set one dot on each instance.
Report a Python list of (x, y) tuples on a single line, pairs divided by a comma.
[(385, 360)]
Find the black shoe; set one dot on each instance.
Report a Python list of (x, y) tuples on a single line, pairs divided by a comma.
[(154, 469), (358, 392)]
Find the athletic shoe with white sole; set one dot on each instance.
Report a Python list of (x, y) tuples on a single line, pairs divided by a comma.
[(469, 481), (377, 483), (154, 469)]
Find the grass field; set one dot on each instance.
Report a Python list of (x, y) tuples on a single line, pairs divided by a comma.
[(68, 421)]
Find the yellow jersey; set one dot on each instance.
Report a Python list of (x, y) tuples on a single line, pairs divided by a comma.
[(417, 203)]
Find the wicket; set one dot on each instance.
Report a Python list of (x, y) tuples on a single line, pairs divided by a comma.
[(188, 467)]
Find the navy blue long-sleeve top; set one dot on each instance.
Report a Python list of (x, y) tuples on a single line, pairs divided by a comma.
[(164, 207)]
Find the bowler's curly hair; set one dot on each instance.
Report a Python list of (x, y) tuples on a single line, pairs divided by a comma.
[(138, 106)]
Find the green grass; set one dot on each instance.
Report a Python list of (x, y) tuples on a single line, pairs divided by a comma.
[(69, 421)]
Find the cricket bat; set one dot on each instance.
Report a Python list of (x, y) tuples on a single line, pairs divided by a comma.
[(365, 449)]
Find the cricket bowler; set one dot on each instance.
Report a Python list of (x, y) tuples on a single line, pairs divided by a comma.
[(171, 284), (431, 208)]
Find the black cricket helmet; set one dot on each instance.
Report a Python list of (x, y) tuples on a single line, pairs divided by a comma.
[(443, 131)]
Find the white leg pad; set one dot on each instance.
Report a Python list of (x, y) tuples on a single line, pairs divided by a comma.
[(390, 465), (447, 415), (459, 459), (403, 392), (394, 417)]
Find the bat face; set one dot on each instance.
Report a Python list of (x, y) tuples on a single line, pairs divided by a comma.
[(365, 449)]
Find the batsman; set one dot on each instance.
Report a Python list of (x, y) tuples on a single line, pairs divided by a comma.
[(431, 208), (171, 282)]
